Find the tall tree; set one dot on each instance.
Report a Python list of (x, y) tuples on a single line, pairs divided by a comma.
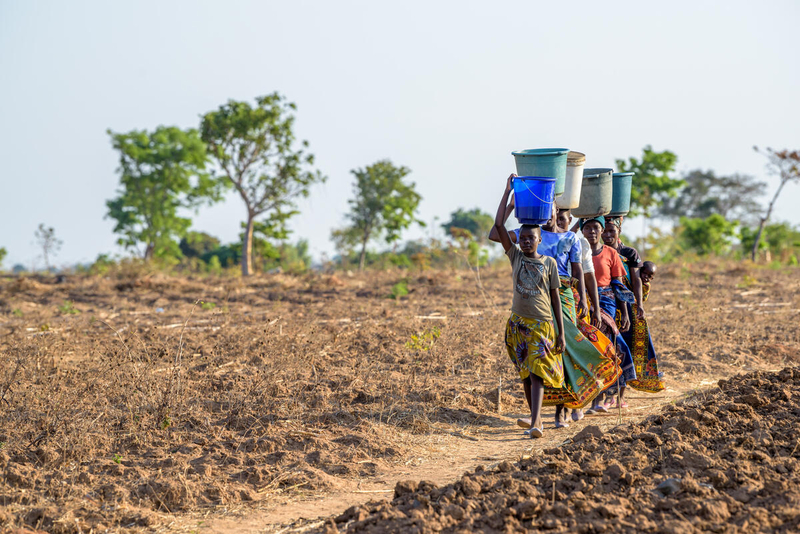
[(734, 197), (652, 183), (475, 221), (49, 243), (384, 204), (3, 253), (254, 147), (161, 173), (786, 165)]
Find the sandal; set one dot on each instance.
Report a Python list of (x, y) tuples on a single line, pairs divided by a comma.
[(524, 422), (536, 432), (577, 415)]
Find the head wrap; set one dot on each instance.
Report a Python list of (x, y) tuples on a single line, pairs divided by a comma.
[(616, 221), (599, 218)]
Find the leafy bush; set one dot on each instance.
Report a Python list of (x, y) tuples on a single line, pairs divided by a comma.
[(198, 244), (712, 235), (399, 290)]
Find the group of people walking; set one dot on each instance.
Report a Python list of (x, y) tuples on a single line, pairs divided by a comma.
[(578, 332)]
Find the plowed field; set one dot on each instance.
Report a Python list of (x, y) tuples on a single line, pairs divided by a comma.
[(144, 402)]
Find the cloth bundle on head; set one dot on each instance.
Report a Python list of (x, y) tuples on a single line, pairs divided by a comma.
[(599, 218)]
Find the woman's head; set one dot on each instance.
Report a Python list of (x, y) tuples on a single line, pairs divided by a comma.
[(611, 231), (530, 235), (563, 219), (592, 228)]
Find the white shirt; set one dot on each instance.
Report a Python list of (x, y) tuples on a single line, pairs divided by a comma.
[(586, 255)]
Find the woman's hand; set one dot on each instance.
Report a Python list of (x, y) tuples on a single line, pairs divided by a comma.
[(597, 321), (626, 323), (640, 313), (583, 309), (509, 184), (560, 342)]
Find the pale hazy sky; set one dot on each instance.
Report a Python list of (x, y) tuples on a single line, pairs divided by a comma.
[(447, 89)]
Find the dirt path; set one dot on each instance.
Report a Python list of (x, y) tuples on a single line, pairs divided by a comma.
[(485, 445)]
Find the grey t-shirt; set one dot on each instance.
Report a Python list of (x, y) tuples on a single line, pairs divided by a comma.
[(533, 279)]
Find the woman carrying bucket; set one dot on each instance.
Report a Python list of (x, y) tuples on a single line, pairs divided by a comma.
[(645, 361), (531, 340), (610, 275)]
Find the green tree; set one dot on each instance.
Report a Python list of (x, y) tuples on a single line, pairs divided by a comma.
[(3, 254), (49, 243), (268, 237), (786, 165), (384, 204), (161, 173), (197, 244), (705, 193), (475, 221), (711, 235), (781, 237), (776, 238), (652, 183), (254, 147)]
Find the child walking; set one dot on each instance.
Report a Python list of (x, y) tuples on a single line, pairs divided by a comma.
[(531, 341), (589, 358)]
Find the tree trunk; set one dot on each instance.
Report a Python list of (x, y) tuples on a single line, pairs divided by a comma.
[(766, 217), (754, 252), (363, 256), (148, 251), (247, 247)]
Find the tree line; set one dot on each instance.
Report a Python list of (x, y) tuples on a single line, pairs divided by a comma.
[(250, 149)]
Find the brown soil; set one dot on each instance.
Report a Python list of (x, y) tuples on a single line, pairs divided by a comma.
[(299, 396), (726, 461)]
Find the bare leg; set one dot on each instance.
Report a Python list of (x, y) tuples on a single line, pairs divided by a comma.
[(526, 385), (536, 398), (561, 416)]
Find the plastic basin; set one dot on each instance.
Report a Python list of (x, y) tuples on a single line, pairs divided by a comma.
[(545, 162)]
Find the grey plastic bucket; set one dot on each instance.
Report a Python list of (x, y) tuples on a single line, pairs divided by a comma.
[(596, 193)]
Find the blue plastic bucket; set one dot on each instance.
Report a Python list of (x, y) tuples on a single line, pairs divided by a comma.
[(549, 162), (533, 199), (621, 194)]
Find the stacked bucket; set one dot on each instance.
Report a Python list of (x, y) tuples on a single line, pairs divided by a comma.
[(557, 175)]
